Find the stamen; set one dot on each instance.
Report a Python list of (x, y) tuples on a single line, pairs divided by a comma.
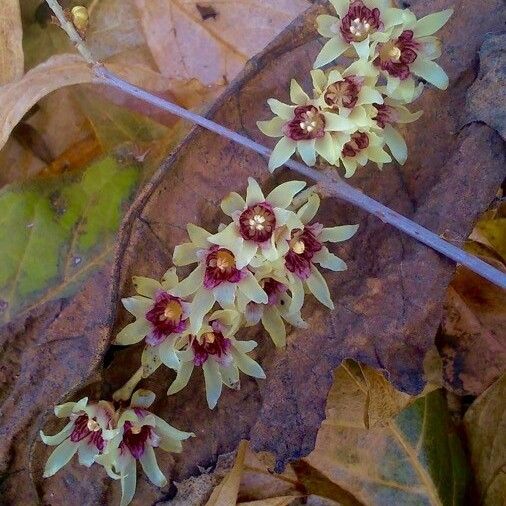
[(299, 247), (135, 429), (92, 425)]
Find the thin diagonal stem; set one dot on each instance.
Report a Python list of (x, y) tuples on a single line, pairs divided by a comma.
[(336, 187)]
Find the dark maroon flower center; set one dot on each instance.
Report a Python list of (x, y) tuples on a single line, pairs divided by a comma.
[(257, 223), (343, 93), (303, 247), (211, 343), (274, 290), (220, 267), (308, 123), (386, 115), (358, 142), (135, 437), (395, 57), (359, 22), (87, 427), (166, 316)]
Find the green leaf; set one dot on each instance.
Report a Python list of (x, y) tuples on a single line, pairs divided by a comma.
[(414, 458), (485, 423), (55, 231)]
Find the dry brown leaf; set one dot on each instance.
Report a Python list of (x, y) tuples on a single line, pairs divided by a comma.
[(19, 97), (215, 49), (485, 423), (473, 330), (11, 38), (225, 494)]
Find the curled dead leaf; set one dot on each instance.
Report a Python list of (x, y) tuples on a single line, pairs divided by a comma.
[(11, 38), (18, 98)]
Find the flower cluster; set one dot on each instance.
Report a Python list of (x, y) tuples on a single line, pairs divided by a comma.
[(353, 114), (115, 439), (255, 269)]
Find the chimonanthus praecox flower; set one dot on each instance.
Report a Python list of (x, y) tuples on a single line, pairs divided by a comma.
[(139, 432), (411, 51), (217, 277), (274, 280), (260, 224), (356, 150), (161, 317), (358, 25), (303, 127), (306, 248), (348, 91), (387, 116), (221, 356), (90, 428)]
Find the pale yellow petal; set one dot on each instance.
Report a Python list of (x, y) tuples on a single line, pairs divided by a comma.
[(308, 211), (432, 23), (185, 254), (326, 148), (169, 279), (431, 72), (280, 109), (272, 127), (338, 234), (133, 332), (254, 194), (146, 286), (150, 467), (332, 50), (307, 151), (274, 325), (396, 144), (213, 382), (282, 152), (297, 94), (318, 287), (232, 203), (283, 194)]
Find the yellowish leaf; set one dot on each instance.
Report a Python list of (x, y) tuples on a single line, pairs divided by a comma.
[(225, 494), (187, 44), (485, 423), (11, 36)]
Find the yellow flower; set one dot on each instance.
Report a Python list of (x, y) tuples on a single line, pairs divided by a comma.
[(275, 281), (358, 25), (360, 147), (260, 224), (348, 91), (386, 117), (220, 355), (138, 432), (304, 127), (217, 277), (88, 433), (411, 51)]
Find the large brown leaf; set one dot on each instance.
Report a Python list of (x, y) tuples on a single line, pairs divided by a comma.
[(389, 302)]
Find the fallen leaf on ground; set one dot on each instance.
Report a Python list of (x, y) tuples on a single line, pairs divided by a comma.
[(227, 491), (388, 302), (19, 97), (415, 458), (472, 341), (51, 232), (485, 423), (11, 42), (213, 49)]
